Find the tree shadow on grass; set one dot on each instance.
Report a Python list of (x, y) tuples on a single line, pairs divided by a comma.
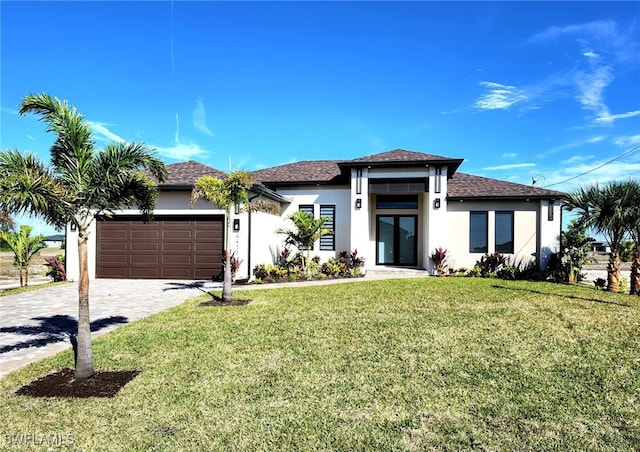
[(54, 329), (572, 297)]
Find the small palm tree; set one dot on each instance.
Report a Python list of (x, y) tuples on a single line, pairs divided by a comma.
[(24, 247), (80, 184), (225, 194), (307, 230), (604, 210)]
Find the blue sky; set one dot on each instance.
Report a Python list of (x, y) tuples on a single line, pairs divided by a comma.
[(520, 90)]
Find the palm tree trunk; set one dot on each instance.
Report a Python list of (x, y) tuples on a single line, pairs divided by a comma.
[(613, 272), (26, 276), (21, 277), (635, 273), (226, 283), (84, 362)]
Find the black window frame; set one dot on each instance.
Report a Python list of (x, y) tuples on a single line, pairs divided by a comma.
[(508, 247), (397, 202), (310, 208), (479, 214), (328, 241)]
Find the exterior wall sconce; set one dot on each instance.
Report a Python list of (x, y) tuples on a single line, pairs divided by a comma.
[(550, 210), (358, 203), (236, 224), (436, 203), (73, 227)]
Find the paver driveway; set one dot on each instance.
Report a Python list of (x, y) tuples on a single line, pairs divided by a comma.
[(36, 324)]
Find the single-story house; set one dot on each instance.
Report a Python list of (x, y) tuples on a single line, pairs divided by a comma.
[(394, 207)]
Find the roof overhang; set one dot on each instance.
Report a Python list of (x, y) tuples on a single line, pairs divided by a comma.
[(451, 164)]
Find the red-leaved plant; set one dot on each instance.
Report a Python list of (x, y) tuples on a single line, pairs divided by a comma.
[(439, 258)]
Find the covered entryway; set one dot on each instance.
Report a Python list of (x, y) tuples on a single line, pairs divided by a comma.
[(189, 247)]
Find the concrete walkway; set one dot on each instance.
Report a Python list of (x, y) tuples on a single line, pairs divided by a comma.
[(36, 324)]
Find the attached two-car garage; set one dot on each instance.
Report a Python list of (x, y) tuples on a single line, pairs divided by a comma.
[(165, 248)]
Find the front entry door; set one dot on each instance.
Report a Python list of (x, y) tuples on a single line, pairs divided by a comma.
[(396, 241)]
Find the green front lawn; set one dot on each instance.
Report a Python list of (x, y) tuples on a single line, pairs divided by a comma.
[(415, 364)]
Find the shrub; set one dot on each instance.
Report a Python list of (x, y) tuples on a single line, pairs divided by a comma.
[(600, 283), (56, 268), (490, 264), (439, 258)]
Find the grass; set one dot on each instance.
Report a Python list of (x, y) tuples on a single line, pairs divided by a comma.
[(434, 363)]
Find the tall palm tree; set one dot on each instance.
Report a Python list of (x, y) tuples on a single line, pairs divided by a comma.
[(307, 230), (24, 247), (80, 184), (632, 216), (603, 209), (225, 194)]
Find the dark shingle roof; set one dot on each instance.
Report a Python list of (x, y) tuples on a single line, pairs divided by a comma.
[(398, 156), (463, 186), (184, 174), (308, 171), (335, 171)]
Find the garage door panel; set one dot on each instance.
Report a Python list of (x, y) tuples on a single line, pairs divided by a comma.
[(184, 247), (181, 234), (169, 260), (148, 234), (165, 248)]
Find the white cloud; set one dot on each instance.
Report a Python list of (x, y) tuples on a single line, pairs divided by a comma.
[(200, 118), (591, 86), (590, 54), (596, 139), (629, 140), (509, 155), (182, 151), (608, 118), (597, 29), (30, 137), (102, 133), (508, 167), (499, 97)]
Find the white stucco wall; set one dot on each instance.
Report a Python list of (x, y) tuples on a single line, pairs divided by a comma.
[(525, 223), (317, 195)]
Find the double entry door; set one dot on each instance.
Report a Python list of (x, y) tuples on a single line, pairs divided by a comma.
[(396, 239)]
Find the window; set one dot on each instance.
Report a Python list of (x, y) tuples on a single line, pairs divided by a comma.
[(309, 209), (504, 232), (478, 235), (399, 185), (397, 202), (328, 242)]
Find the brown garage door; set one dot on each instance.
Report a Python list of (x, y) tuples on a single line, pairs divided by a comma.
[(166, 248)]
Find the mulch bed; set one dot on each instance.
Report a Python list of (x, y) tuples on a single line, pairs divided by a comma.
[(217, 301), (62, 384)]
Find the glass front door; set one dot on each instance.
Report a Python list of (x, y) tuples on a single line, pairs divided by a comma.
[(396, 239)]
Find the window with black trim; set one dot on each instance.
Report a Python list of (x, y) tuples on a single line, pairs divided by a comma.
[(504, 232), (309, 209), (478, 232), (396, 201), (328, 241)]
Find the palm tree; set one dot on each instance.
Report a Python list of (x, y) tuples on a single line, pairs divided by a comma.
[(24, 247), (6, 222), (80, 184), (307, 230), (632, 215), (603, 209), (225, 194)]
